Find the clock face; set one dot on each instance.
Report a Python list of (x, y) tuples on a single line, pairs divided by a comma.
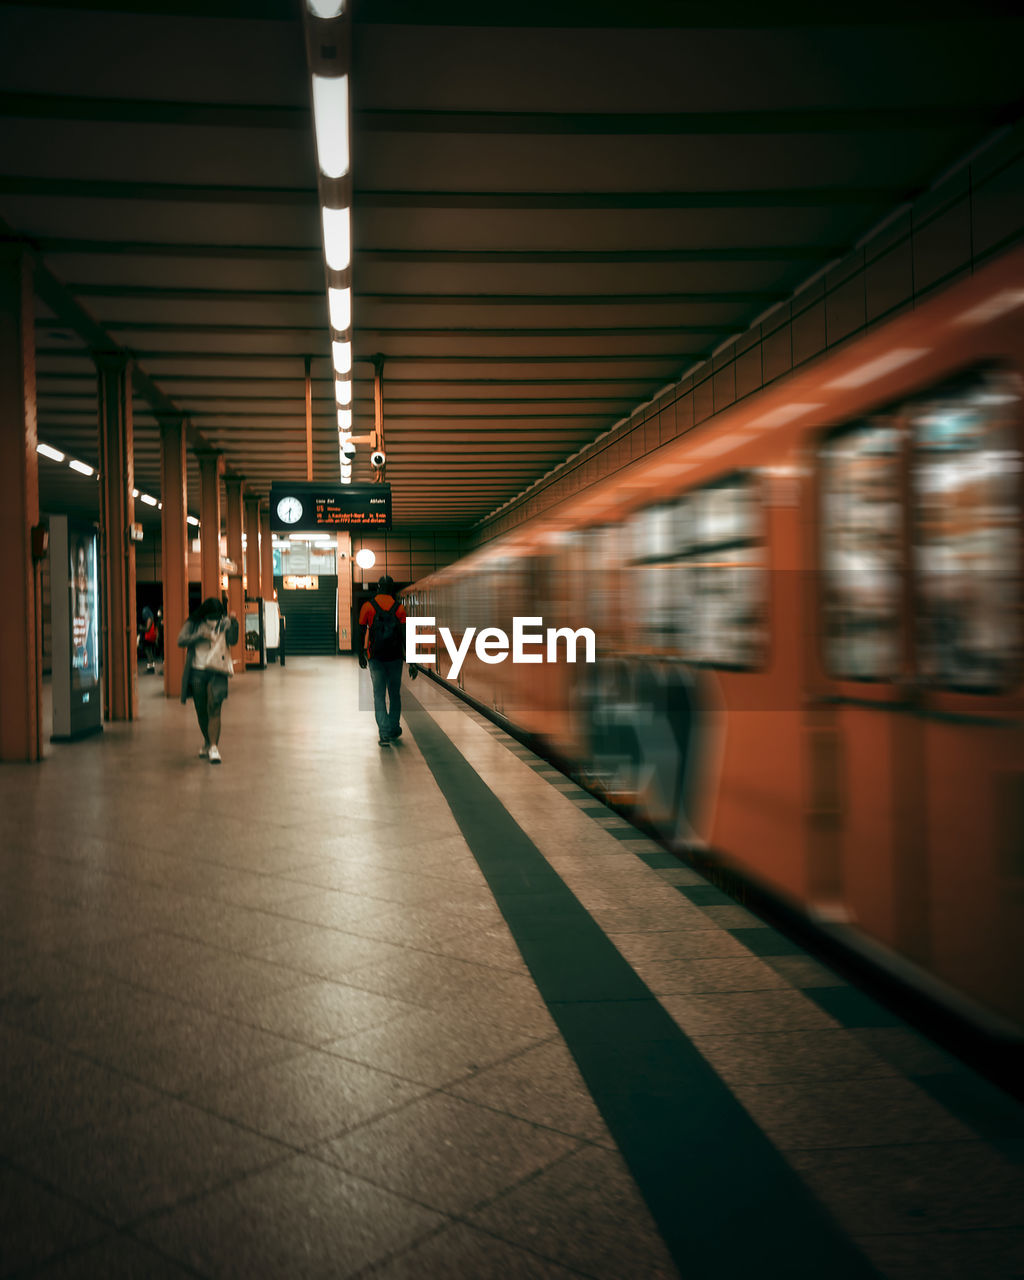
[(289, 510)]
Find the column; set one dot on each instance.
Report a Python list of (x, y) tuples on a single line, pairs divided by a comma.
[(266, 553), (117, 556), (20, 621), (236, 597), (211, 464), (343, 557), (253, 556), (173, 548)]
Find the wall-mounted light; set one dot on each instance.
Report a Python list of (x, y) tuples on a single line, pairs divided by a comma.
[(330, 119), (365, 558)]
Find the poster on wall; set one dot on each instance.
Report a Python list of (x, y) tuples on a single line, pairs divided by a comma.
[(75, 602)]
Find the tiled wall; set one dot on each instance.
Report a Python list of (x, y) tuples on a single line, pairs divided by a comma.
[(975, 214), (410, 554)]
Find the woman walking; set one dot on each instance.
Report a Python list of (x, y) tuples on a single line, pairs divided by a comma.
[(207, 634)]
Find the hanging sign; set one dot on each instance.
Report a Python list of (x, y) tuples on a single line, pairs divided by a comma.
[(303, 507)]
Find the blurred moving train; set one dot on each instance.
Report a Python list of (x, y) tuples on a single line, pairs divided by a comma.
[(809, 621)]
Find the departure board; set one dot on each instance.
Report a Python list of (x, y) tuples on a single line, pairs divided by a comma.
[(298, 508)]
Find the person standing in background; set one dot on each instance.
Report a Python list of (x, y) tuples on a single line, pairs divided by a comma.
[(150, 636), (383, 650)]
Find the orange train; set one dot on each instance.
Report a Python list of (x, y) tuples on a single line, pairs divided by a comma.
[(808, 613)]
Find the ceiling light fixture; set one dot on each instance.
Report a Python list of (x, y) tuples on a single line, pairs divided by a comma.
[(343, 390), (148, 499), (339, 303), (337, 238), (82, 467), (330, 119), (48, 451), (342, 353), (344, 419), (326, 9)]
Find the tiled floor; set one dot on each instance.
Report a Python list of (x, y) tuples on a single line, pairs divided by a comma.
[(282, 1018)]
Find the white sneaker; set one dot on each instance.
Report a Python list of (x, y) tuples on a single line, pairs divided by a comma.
[(204, 751), (214, 755)]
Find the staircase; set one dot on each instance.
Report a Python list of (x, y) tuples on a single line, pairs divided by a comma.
[(311, 617)]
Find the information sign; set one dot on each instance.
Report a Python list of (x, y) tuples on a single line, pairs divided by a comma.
[(304, 507)]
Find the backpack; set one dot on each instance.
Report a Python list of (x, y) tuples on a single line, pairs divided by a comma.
[(386, 639)]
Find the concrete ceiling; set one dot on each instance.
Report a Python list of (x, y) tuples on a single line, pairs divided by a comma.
[(558, 210)]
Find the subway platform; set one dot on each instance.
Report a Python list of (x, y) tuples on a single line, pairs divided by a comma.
[(432, 1011)]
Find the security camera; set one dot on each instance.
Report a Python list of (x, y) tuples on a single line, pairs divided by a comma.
[(378, 458)]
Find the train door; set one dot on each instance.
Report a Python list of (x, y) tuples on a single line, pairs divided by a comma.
[(881, 875), (965, 482), (920, 650)]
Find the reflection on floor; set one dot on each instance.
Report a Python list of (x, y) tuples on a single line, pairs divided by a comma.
[(332, 1011)]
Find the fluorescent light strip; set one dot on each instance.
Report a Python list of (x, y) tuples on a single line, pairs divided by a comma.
[(48, 451), (326, 9), (342, 352), (148, 499), (339, 303), (878, 368), (344, 419), (343, 390), (82, 467), (192, 520), (337, 238), (330, 116)]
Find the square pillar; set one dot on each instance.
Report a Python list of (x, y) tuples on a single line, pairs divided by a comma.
[(266, 553), (20, 619), (117, 551), (253, 555), (236, 597), (211, 465), (173, 548), (343, 558)]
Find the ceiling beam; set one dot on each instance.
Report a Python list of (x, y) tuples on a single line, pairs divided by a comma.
[(808, 120), (210, 193), (442, 257), (162, 294)]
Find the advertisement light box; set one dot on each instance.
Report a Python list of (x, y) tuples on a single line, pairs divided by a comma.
[(305, 507)]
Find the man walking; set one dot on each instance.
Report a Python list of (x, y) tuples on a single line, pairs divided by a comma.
[(383, 650)]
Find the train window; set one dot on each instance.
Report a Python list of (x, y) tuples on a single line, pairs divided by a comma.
[(966, 479), (862, 529), (716, 585)]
